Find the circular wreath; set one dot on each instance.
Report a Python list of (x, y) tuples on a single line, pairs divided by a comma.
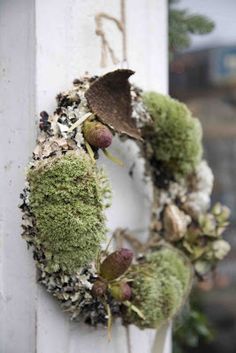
[(66, 195)]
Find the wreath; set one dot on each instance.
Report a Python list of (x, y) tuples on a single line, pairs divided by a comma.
[(66, 194)]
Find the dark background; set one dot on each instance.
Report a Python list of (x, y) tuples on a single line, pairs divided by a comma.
[(205, 79)]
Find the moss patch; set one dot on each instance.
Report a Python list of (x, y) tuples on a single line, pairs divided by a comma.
[(68, 199), (175, 136), (159, 287)]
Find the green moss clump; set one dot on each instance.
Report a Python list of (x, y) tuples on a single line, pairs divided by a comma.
[(159, 287), (68, 199), (175, 136)]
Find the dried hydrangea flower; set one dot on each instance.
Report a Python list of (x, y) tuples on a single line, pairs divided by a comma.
[(215, 251), (199, 194), (220, 249)]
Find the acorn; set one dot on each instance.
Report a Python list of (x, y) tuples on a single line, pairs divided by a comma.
[(116, 264), (99, 288), (121, 291), (97, 134)]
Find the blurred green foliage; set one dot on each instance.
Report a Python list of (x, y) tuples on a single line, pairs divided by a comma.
[(182, 24), (193, 329)]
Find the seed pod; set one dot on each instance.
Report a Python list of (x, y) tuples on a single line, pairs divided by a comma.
[(121, 291), (116, 264), (175, 223), (97, 134), (44, 124), (99, 288)]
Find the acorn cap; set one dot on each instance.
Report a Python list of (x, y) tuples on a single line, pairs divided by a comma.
[(99, 288), (116, 264), (97, 134), (121, 291)]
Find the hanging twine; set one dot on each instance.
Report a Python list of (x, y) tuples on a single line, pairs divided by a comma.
[(106, 48)]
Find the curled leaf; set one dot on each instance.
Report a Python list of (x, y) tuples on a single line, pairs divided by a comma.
[(110, 99)]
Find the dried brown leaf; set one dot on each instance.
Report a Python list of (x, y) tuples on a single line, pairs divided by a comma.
[(109, 98)]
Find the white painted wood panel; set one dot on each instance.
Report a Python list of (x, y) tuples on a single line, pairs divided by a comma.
[(44, 45), (17, 124)]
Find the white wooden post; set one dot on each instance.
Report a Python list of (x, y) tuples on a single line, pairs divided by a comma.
[(44, 45)]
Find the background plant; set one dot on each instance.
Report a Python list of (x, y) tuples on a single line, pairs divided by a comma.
[(194, 327), (183, 24)]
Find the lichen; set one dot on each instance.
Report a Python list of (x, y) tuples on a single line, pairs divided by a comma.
[(175, 136), (159, 287), (67, 198)]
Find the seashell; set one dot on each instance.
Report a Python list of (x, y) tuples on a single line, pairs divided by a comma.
[(175, 223)]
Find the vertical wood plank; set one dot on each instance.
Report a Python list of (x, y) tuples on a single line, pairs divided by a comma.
[(147, 37), (66, 47), (163, 340), (17, 276)]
